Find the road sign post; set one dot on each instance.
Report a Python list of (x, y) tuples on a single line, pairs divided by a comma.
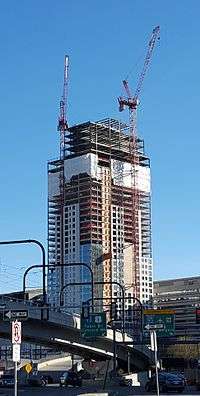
[(159, 322), (154, 348), (16, 341), (94, 325)]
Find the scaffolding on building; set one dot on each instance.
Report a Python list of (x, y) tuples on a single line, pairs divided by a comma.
[(109, 140)]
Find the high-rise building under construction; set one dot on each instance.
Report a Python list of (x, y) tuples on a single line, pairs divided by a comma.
[(90, 215)]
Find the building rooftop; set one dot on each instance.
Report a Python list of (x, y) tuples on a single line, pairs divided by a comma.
[(172, 281), (107, 137)]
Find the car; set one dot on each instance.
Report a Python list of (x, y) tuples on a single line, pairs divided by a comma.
[(180, 375), (70, 378), (35, 381), (7, 380), (167, 382), (123, 381), (47, 379)]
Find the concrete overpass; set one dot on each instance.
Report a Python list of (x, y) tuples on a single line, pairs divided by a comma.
[(62, 332)]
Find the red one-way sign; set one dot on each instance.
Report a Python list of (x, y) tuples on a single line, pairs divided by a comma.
[(16, 332)]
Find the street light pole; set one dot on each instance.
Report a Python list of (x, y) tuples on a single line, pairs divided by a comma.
[(27, 271), (38, 243), (58, 266), (99, 283)]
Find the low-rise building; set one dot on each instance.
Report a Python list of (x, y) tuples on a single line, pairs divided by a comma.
[(183, 296)]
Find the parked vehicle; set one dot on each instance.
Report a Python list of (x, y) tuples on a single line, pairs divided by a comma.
[(70, 378), (123, 381), (47, 379), (180, 375), (36, 381), (167, 382), (7, 380)]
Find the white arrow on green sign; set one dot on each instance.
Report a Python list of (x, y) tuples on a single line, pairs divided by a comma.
[(154, 326)]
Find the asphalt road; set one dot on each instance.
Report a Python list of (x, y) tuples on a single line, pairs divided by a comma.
[(55, 390)]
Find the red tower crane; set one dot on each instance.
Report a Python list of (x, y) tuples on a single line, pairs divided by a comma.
[(62, 128), (62, 119), (132, 102)]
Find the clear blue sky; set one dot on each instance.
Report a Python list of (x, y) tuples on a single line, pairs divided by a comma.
[(105, 40)]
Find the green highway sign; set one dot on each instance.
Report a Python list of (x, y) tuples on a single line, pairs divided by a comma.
[(160, 320), (94, 325)]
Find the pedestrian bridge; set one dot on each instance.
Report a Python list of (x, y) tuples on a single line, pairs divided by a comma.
[(61, 331)]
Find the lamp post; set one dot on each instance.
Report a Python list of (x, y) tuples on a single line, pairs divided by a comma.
[(43, 266), (58, 266), (113, 326)]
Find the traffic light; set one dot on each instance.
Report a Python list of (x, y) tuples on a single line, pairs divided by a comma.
[(85, 310), (113, 310), (198, 315)]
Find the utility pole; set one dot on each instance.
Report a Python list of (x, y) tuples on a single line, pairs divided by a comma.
[(153, 338)]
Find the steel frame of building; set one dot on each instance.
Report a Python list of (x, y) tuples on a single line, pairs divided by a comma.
[(108, 139)]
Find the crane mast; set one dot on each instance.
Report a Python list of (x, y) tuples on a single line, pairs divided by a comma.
[(131, 102), (62, 128)]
